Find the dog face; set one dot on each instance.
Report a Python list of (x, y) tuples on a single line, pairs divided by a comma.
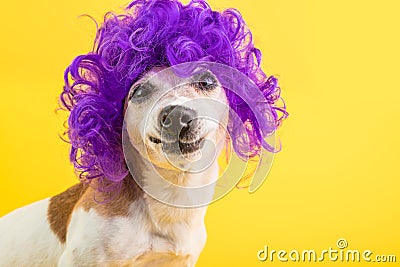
[(177, 123)]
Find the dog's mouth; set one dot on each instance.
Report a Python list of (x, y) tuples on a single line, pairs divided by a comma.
[(187, 148), (179, 146), (154, 140)]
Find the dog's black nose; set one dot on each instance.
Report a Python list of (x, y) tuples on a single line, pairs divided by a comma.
[(175, 121)]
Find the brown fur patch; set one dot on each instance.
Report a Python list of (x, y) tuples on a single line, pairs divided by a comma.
[(61, 207), (82, 195), (111, 204), (154, 258), (163, 259)]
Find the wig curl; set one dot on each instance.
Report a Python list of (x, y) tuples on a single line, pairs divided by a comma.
[(156, 33)]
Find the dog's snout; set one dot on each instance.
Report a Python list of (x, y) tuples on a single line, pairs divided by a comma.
[(176, 120)]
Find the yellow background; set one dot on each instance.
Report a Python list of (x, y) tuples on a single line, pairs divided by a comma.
[(337, 175)]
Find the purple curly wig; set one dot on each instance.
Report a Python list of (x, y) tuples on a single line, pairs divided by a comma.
[(155, 33)]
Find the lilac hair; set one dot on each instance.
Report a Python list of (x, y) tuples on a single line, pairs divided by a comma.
[(157, 33)]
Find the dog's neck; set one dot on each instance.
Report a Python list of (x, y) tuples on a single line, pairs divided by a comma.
[(169, 196)]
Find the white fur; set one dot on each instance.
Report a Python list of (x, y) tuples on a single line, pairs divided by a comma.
[(26, 238), (151, 227)]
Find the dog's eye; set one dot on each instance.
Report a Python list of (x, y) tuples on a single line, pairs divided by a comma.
[(205, 82), (139, 91)]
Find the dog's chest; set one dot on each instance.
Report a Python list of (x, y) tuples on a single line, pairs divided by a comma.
[(177, 245), (132, 241), (181, 247), (153, 258)]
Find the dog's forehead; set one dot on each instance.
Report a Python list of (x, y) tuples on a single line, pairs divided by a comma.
[(164, 77), (168, 77)]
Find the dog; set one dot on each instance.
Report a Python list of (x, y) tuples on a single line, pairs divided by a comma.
[(132, 229), (139, 133)]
